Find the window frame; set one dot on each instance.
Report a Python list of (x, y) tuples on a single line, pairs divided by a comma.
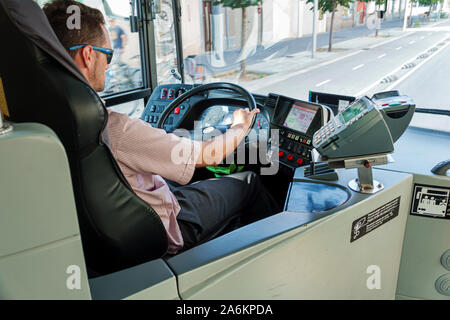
[(144, 29), (147, 45)]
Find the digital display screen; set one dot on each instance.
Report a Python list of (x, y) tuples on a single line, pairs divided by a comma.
[(299, 118), (355, 109)]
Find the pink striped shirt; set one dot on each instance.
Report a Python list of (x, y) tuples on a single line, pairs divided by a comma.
[(144, 154)]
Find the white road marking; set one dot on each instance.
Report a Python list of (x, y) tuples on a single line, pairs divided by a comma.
[(398, 48), (381, 56), (417, 67), (322, 83), (422, 37), (365, 90), (411, 42), (357, 67)]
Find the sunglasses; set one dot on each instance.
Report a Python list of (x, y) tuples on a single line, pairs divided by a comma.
[(109, 52)]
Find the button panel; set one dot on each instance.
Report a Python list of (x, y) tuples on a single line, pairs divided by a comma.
[(328, 130), (295, 148), (160, 99)]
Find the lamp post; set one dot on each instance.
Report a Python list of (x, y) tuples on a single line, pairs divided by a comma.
[(314, 33), (404, 16)]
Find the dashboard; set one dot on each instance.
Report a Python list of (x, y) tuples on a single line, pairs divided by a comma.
[(294, 120)]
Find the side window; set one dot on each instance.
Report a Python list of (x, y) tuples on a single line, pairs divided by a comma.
[(125, 71), (165, 44)]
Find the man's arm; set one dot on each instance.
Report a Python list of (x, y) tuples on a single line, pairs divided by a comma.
[(215, 150), (123, 36), (124, 40)]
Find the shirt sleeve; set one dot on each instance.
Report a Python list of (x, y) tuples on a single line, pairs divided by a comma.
[(145, 149)]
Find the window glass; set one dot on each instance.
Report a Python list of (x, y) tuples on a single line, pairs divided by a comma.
[(165, 44), (124, 72), (133, 108), (268, 47)]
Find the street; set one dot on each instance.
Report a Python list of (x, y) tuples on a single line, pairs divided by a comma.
[(429, 85), (351, 75), (417, 63)]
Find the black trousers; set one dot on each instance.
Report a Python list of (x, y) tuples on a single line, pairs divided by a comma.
[(207, 206)]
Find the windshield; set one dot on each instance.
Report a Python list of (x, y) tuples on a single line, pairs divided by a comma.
[(268, 47), (286, 47)]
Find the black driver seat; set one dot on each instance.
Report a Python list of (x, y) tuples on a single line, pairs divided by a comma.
[(42, 84)]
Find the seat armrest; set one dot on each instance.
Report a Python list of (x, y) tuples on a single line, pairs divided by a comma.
[(150, 280)]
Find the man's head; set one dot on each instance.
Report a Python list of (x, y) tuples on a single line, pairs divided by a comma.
[(92, 32)]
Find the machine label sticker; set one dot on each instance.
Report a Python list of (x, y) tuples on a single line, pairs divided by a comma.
[(374, 219), (431, 201)]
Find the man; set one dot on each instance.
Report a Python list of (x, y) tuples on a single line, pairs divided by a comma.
[(119, 40), (191, 213)]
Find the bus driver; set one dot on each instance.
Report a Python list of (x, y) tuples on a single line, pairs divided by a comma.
[(190, 213)]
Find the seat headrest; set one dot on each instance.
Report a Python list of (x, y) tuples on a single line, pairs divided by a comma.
[(29, 18), (42, 84)]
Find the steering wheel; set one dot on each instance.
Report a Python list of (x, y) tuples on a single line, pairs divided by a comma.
[(206, 87), (211, 86)]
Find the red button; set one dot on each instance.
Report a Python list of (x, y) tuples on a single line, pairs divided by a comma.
[(290, 157), (299, 160), (177, 110), (164, 93), (171, 94), (280, 154)]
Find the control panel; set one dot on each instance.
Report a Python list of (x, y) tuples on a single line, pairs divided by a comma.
[(297, 122), (160, 99), (295, 148)]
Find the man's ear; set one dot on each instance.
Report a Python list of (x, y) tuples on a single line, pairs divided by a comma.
[(87, 57)]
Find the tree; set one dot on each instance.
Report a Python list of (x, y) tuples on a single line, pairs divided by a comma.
[(331, 6), (243, 5), (429, 3)]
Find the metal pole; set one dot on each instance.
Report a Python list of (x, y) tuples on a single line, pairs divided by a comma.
[(314, 34), (404, 16)]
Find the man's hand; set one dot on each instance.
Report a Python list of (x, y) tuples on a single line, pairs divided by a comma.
[(215, 150), (243, 117)]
